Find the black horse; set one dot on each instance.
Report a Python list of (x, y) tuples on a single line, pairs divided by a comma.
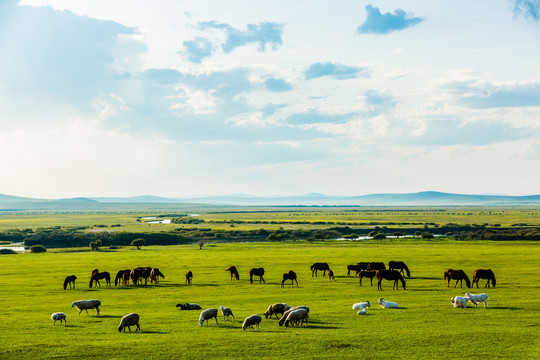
[(257, 272), (367, 273), (234, 272), (138, 274), (70, 280), (357, 267), (155, 274), (319, 266), (484, 274), (458, 275), (376, 266), (120, 277), (399, 265), (390, 275), (99, 276), (291, 275)]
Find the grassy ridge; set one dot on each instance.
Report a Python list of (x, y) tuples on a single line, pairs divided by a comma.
[(427, 326)]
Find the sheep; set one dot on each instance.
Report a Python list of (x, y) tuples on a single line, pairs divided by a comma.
[(250, 321), (226, 312), (296, 316), (275, 309), (188, 306), (286, 313), (477, 298), (58, 316), (387, 304), (360, 306), (128, 321), (87, 304), (459, 301), (362, 312), (207, 315)]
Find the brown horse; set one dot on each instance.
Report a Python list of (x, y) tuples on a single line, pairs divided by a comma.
[(234, 272), (119, 278), (331, 275), (390, 275), (140, 273), (458, 275), (484, 274), (399, 265), (189, 277), (376, 266), (357, 267), (319, 266), (257, 272), (291, 275), (154, 275), (367, 273), (69, 280), (98, 276)]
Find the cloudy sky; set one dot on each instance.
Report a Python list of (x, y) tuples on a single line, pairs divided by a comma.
[(348, 97)]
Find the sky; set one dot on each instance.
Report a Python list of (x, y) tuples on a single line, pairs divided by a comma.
[(197, 97)]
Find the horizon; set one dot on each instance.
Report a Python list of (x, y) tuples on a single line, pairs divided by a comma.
[(118, 99)]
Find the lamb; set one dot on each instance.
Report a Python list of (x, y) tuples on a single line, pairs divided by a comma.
[(207, 315), (226, 312), (58, 316), (476, 298), (360, 306), (296, 316), (87, 304), (362, 312), (250, 321), (128, 321), (188, 306), (460, 301), (286, 313), (275, 309), (387, 304)]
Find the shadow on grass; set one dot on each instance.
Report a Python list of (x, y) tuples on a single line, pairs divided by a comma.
[(425, 278)]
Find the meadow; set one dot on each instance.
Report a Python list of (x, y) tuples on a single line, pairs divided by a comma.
[(426, 326)]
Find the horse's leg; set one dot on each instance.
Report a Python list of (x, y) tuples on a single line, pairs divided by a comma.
[(371, 281), (360, 282), (86, 311)]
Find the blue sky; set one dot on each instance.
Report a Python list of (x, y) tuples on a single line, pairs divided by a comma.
[(186, 98)]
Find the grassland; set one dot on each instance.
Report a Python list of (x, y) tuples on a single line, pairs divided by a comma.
[(426, 327)]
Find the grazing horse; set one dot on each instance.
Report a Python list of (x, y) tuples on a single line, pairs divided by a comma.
[(257, 272), (458, 275), (69, 279), (119, 278), (484, 274), (154, 275), (331, 275), (399, 265), (367, 273), (319, 266), (291, 275), (376, 266), (189, 277), (357, 267), (98, 276), (140, 273), (390, 275), (234, 272)]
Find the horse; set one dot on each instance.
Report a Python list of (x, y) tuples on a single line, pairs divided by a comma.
[(189, 277), (92, 274), (140, 273), (154, 275), (484, 274), (69, 279), (331, 275), (119, 278), (367, 273), (257, 272), (234, 272), (399, 265), (357, 267), (376, 266), (458, 275), (98, 276), (291, 275), (390, 275), (319, 266)]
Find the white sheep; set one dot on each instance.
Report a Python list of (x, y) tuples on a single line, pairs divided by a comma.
[(87, 304), (360, 306), (459, 301), (362, 312), (387, 304), (476, 298), (296, 316), (128, 321), (286, 313), (226, 313), (58, 316), (207, 315), (250, 321), (275, 309)]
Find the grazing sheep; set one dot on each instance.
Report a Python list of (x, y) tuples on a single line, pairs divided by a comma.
[(275, 309), (226, 313), (360, 306), (188, 306), (250, 321), (128, 321), (207, 315), (362, 312), (387, 304), (477, 298), (87, 304), (460, 301), (296, 316), (58, 316), (286, 313)]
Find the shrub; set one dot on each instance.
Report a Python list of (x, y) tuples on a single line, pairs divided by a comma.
[(7, 251), (37, 249)]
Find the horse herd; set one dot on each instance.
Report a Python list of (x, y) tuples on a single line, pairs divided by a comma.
[(123, 277)]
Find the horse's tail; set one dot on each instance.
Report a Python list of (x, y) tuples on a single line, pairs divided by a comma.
[(407, 270), (445, 275)]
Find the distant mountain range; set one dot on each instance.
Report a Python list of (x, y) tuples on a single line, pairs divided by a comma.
[(426, 198)]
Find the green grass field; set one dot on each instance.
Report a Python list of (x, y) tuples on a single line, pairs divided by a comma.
[(427, 326)]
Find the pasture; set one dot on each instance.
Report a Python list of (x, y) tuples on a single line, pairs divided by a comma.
[(426, 326)]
